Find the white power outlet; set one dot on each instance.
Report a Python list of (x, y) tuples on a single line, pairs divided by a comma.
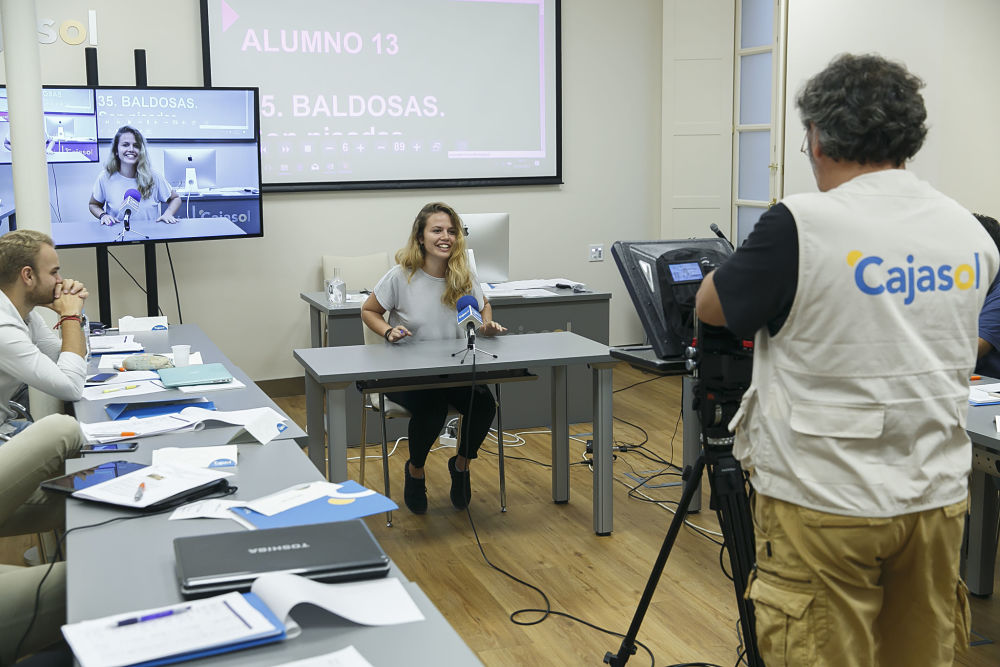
[(447, 441), (596, 253)]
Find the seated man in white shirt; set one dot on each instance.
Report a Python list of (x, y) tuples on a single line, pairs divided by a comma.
[(30, 352)]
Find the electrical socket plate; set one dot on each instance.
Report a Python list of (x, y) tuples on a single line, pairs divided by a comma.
[(596, 253), (447, 441)]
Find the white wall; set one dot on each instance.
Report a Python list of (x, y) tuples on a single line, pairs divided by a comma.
[(952, 46), (245, 293)]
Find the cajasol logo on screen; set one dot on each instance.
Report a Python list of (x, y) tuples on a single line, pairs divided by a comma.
[(909, 280)]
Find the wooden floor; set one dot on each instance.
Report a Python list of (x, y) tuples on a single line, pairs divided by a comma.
[(598, 579)]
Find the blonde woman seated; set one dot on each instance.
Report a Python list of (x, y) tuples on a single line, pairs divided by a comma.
[(420, 294)]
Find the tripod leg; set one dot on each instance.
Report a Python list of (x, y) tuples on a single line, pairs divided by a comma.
[(627, 647), (733, 509)]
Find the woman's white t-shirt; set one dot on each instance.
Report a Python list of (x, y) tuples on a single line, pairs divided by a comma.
[(416, 304)]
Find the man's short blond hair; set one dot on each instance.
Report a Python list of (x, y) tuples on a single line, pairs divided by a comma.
[(19, 249)]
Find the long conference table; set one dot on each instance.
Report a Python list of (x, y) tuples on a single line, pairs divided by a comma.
[(129, 565), (980, 548), (331, 371)]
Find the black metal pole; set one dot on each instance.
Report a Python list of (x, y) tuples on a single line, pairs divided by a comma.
[(149, 247), (103, 277)]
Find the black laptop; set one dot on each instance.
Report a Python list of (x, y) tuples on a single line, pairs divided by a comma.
[(330, 552)]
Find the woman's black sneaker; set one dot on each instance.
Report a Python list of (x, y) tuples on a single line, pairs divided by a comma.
[(461, 485), (414, 492)]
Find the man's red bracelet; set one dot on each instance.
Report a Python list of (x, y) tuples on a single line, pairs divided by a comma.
[(67, 317)]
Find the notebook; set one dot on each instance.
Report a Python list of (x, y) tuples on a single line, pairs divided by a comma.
[(331, 552), (186, 376)]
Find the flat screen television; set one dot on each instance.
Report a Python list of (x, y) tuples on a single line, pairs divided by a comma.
[(214, 132)]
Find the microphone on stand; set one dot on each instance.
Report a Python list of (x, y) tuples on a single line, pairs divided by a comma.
[(469, 318), (129, 204), (718, 232)]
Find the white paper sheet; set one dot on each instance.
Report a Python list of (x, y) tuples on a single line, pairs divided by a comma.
[(345, 657), (299, 494), (120, 390), (211, 508), (109, 344), (378, 602), (219, 456)]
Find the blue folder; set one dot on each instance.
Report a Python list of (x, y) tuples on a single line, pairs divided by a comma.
[(322, 510), (154, 408)]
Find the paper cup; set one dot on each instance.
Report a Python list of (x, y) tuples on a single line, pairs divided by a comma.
[(182, 355)]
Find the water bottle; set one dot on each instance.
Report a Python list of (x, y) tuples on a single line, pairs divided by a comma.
[(336, 290)]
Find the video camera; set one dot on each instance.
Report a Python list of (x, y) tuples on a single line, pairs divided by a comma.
[(662, 278)]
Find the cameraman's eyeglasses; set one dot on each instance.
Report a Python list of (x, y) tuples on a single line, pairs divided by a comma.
[(804, 149)]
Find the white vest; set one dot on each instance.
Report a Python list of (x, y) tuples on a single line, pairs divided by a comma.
[(858, 405)]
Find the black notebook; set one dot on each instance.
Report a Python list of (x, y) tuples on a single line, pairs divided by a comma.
[(330, 552)]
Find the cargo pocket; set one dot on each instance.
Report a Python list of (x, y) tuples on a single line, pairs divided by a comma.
[(963, 617), (786, 623)]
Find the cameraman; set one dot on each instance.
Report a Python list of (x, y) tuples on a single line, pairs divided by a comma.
[(864, 300)]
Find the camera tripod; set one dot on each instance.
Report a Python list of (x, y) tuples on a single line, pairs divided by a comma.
[(724, 371)]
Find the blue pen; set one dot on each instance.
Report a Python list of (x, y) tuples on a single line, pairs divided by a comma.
[(150, 617)]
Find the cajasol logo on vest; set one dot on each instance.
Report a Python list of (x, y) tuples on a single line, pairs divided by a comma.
[(909, 280)]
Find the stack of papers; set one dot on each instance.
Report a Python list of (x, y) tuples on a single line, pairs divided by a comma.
[(262, 424), (107, 344), (177, 632), (234, 621), (149, 485), (984, 394), (527, 288)]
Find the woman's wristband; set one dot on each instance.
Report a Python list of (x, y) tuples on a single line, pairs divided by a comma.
[(387, 332), (101, 217)]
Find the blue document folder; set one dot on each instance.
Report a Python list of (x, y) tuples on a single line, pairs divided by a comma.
[(118, 411), (323, 510)]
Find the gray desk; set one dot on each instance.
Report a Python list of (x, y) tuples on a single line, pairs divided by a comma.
[(331, 371), (129, 565), (227, 399), (583, 313), (92, 231), (980, 548)]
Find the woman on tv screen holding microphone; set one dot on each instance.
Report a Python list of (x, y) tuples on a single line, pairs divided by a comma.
[(432, 276), (127, 182)]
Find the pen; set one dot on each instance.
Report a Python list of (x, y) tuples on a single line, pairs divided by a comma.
[(138, 496), (150, 617), (128, 386)]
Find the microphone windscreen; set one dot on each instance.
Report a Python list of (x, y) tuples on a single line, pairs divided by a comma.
[(467, 301), (132, 193)]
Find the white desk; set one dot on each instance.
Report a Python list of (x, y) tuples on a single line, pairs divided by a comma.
[(330, 371)]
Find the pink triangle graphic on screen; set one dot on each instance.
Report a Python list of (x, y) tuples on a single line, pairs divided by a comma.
[(228, 16)]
